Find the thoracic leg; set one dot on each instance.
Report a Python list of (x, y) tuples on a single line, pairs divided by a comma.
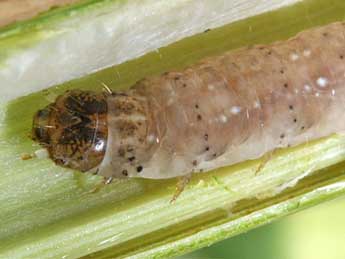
[(182, 182)]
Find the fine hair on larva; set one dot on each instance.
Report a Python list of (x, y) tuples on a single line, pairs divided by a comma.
[(222, 110)]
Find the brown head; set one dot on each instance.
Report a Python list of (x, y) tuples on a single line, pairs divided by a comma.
[(74, 129)]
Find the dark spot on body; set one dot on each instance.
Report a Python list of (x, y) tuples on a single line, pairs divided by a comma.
[(199, 117), (302, 128), (341, 56), (197, 106), (234, 64), (291, 107), (282, 135), (325, 34), (184, 85), (294, 120), (132, 158), (126, 128), (195, 162), (207, 148), (214, 155), (125, 172), (281, 71), (176, 78), (139, 168), (286, 85), (125, 107)]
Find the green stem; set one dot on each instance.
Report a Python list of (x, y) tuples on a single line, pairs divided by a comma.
[(50, 212)]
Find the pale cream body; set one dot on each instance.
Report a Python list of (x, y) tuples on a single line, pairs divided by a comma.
[(230, 108)]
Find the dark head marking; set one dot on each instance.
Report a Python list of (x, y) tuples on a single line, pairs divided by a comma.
[(74, 129)]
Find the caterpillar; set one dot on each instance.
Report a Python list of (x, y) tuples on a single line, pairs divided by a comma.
[(223, 110)]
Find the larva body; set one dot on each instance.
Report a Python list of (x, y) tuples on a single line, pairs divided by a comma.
[(223, 110)]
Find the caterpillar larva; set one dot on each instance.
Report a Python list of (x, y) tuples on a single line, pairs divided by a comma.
[(223, 110)]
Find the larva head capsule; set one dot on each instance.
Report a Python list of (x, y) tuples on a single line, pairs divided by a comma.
[(74, 129)]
